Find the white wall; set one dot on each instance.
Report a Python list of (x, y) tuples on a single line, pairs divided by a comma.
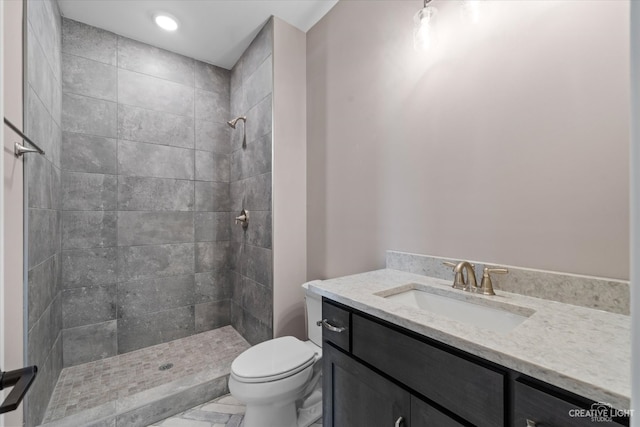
[(289, 179), (508, 145)]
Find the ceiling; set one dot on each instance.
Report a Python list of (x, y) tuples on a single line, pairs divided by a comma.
[(213, 31)]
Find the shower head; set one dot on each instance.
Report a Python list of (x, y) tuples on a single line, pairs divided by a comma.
[(233, 122)]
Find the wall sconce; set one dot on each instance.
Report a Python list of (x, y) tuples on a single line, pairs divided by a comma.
[(424, 28)]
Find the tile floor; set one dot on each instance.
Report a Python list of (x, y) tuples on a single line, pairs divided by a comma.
[(92, 384), (224, 411)]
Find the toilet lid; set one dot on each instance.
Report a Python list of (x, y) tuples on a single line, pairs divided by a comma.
[(272, 360)]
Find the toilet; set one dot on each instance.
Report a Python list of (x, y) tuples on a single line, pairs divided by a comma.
[(279, 380)]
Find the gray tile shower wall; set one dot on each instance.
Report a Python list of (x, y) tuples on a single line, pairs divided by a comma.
[(145, 195), (250, 188), (43, 89)]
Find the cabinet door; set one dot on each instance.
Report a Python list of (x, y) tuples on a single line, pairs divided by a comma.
[(355, 396), (425, 415), (536, 407)]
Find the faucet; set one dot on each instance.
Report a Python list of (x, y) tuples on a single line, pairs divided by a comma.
[(471, 284)]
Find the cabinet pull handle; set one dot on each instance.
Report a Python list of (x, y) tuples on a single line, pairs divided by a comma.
[(399, 422), (330, 327), (531, 423)]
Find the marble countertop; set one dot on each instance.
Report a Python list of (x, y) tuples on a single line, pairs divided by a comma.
[(582, 350)]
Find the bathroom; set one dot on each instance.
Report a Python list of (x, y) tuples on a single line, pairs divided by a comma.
[(506, 144)]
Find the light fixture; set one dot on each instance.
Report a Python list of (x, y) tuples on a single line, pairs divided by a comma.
[(424, 32), (166, 21)]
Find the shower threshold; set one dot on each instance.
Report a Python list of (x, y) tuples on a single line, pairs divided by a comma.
[(147, 385)]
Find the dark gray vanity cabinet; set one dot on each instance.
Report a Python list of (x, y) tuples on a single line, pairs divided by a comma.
[(376, 374), (355, 395)]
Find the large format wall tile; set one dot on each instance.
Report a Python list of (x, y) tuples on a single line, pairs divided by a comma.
[(212, 166), (155, 127), (88, 115), (141, 159), (211, 256), (254, 298), (147, 59), (88, 305), (44, 235), (212, 226), (150, 228), (254, 160), (39, 73), (212, 196), (213, 286), (88, 191), (154, 194), (86, 153), (155, 94), (89, 267), (259, 84), (87, 77), (259, 234), (211, 136), (212, 78), (212, 315), (153, 328), (257, 264), (86, 343), (212, 106), (89, 42), (88, 229), (138, 262), (145, 296), (259, 120), (43, 179), (260, 48), (43, 287)]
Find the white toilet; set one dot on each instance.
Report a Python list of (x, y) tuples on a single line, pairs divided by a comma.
[(280, 380)]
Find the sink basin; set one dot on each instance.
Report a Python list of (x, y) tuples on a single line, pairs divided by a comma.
[(501, 318)]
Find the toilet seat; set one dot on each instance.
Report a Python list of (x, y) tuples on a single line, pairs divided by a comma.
[(272, 360)]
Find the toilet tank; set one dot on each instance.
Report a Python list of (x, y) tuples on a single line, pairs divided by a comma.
[(313, 307)]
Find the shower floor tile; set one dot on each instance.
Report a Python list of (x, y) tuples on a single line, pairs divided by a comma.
[(96, 383)]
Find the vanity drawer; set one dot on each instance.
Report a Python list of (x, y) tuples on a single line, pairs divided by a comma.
[(336, 325), (472, 391), (536, 407)]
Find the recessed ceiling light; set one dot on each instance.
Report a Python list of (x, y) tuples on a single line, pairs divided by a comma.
[(166, 21)]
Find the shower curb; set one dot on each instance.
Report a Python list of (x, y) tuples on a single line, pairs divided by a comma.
[(149, 406)]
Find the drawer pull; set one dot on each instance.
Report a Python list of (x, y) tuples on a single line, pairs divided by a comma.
[(399, 422), (330, 327), (531, 423)]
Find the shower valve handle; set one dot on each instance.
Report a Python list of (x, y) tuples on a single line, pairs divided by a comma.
[(243, 218)]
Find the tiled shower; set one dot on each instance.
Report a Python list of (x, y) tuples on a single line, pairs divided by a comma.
[(131, 214)]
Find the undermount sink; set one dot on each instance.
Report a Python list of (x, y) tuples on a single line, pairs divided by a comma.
[(501, 318)]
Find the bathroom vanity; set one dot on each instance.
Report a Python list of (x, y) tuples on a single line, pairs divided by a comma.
[(389, 363)]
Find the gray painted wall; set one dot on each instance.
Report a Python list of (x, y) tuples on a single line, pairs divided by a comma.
[(42, 124), (252, 255), (145, 190)]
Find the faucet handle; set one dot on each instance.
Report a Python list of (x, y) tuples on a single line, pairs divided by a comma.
[(486, 287)]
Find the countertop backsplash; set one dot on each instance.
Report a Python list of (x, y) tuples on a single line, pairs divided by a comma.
[(592, 292)]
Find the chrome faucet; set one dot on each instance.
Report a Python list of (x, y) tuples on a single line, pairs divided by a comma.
[(459, 282)]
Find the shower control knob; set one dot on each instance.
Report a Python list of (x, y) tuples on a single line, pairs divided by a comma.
[(243, 218)]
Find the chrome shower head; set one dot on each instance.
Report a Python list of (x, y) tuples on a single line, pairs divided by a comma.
[(233, 122)]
